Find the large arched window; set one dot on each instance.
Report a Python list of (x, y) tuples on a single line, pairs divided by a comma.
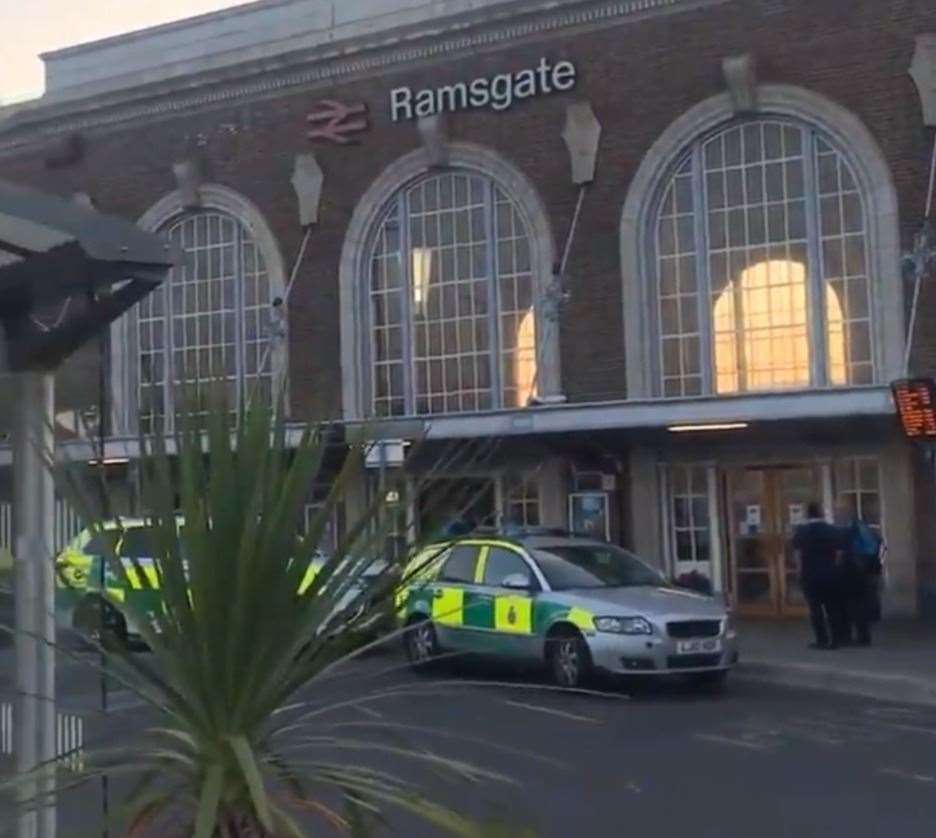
[(451, 308), (760, 247), (210, 322)]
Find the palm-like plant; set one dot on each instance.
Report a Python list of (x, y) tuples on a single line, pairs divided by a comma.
[(241, 747)]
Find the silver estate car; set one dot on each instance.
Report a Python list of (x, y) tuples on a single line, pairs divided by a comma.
[(574, 604)]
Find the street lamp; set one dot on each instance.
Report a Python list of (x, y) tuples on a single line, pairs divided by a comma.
[(88, 268)]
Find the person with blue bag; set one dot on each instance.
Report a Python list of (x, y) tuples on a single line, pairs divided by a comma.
[(860, 578)]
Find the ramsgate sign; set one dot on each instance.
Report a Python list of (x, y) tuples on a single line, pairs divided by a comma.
[(497, 92)]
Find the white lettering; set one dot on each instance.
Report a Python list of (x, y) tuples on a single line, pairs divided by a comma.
[(480, 93), (425, 103), (543, 71), (400, 104), (501, 92), (563, 75), (525, 84), (453, 97), (498, 92)]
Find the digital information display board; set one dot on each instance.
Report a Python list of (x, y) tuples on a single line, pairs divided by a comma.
[(916, 406)]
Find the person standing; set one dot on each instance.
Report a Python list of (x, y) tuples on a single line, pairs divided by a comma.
[(817, 546), (860, 572)]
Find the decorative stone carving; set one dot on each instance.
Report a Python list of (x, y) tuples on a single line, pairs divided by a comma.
[(923, 72), (741, 77), (307, 180), (434, 133), (581, 134), (190, 176)]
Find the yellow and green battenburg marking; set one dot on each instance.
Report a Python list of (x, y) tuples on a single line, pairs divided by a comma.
[(455, 607)]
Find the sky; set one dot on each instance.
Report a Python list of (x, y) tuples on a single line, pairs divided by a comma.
[(30, 27)]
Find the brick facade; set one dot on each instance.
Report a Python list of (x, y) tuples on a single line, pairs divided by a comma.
[(640, 73), (639, 77)]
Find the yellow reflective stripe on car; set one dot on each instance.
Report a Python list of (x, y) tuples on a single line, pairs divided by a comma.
[(133, 578), (116, 594), (401, 600), (448, 606), (480, 565), (307, 580), (136, 582), (513, 614), (581, 619)]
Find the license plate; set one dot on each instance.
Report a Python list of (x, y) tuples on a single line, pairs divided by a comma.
[(701, 645)]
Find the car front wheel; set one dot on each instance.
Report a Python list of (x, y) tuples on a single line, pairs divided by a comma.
[(568, 658)]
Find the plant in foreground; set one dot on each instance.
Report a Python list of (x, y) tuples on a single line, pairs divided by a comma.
[(250, 733)]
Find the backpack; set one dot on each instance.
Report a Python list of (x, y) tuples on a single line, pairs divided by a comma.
[(866, 547)]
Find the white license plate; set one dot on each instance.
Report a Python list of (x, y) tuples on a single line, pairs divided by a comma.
[(701, 645)]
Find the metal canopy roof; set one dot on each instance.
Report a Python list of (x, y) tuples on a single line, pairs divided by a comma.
[(65, 257)]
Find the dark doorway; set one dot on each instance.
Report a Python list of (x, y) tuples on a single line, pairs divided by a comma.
[(459, 503)]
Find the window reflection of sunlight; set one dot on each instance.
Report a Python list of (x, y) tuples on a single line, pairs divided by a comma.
[(761, 330), (524, 365), (422, 274)]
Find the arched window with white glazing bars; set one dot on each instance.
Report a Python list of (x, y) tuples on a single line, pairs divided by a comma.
[(760, 246), (450, 305), (210, 322)]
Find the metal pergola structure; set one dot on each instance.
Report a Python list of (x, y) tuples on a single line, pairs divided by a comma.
[(66, 272)]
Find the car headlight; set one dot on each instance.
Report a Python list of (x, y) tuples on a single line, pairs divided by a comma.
[(623, 625), (731, 626)]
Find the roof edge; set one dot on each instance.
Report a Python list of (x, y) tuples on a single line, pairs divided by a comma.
[(282, 68)]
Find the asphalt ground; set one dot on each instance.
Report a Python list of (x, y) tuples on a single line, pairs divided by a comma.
[(647, 759)]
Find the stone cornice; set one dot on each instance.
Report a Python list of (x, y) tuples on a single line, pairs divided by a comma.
[(38, 121)]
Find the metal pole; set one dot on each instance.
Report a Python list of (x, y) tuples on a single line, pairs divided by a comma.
[(103, 372), (382, 511), (34, 511)]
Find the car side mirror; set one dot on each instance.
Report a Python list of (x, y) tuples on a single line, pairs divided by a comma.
[(517, 582)]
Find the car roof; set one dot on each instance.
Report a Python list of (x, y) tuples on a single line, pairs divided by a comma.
[(540, 542), (533, 538)]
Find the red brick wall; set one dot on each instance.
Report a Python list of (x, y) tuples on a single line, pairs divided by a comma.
[(639, 77)]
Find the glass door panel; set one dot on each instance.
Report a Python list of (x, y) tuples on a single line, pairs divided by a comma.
[(766, 505), (753, 542)]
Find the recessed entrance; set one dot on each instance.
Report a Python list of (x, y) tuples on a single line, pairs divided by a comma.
[(764, 507), (443, 501)]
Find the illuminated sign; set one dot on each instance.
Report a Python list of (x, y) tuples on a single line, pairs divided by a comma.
[(916, 406), (496, 92), (337, 122)]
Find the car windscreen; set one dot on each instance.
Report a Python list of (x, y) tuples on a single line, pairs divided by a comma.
[(101, 543), (138, 543), (142, 543), (568, 566)]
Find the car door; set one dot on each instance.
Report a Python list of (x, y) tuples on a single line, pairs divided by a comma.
[(450, 590), (510, 631)]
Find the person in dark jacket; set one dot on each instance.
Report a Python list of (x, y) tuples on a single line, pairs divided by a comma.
[(817, 546), (861, 568)]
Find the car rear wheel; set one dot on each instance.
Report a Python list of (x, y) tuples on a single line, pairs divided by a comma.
[(568, 658), (422, 647)]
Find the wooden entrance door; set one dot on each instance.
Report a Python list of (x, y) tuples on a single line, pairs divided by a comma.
[(765, 504)]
